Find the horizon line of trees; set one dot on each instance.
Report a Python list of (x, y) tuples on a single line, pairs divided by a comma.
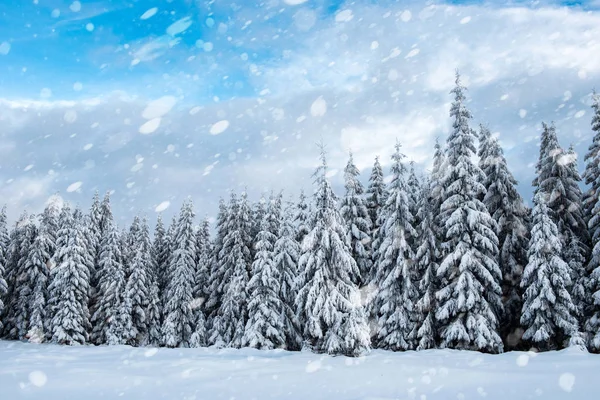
[(453, 259)]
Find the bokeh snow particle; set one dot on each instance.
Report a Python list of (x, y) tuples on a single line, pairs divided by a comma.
[(70, 116), (179, 26), (75, 186), (162, 206), (406, 16), (38, 378), (75, 6), (318, 107), (465, 20), (313, 366), (344, 16), (150, 126), (294, 2), (4, 48), (159, 107), (566, 381), (149, 13), (219, 127), (522, 360)]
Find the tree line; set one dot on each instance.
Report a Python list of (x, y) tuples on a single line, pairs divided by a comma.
[(450, 259)]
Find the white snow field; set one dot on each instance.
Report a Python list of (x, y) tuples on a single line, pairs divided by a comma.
[(49, 372)]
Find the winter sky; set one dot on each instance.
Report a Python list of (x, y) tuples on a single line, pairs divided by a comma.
[(158, 100)]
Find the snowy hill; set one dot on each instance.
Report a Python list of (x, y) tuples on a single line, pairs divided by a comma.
[(52, 372)]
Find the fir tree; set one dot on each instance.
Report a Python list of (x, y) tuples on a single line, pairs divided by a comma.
[(264, 329), (4, 243), (376, 197), (286, 252), (548, 312), (69, 287), (301, 218), (230, 320), (358, 224), (216, 279), (199, 337), (110, 318), (393, 302), (469, 298), (426, 263), (179, 321), (328, 302), (22, 296), (506, 207), (161, 254), (591, 175)]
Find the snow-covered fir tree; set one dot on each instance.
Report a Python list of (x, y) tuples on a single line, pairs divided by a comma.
[(69, 288), (426, 264), (506, 207), (591, 174), (230, 320), (376, 196), (469, 298), (94, 237), (413, 185), (286, 252), (199, 337), (4, 243), (393, 304), (548, 314), (328, 302), (139, 286), (179, 321), (358, 223), (216, 279), (21, 299), (110, 318), (592, 204), (38, 264), (301, 218), (265, 329), (161, 254)]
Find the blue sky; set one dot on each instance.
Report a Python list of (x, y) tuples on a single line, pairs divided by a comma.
[(158, 100)]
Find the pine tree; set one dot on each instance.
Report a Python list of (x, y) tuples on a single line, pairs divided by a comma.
[(506, 207), (161, 254), (199, 337), (216, 279), (22, 296), (95, 236), (230, 320), (264, 329), (179, 321), (591, 174), (393, 302), (328, 302), (69, 287), (548, 311), (426, 263), (358, 224), (286, 252), (413, 185), (110, 319), (38, 266), (376, 197), (4, 243), (138, 288), (469, 298), (301, 218)]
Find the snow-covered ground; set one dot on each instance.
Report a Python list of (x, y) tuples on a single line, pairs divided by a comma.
[(51, 372)]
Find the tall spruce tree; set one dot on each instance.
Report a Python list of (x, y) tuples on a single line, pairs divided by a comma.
[(395, 295), (469, 298), (4, 243), (301, 218), (328, 302), (216, 279), (265, 329), (506, 207), (285, 258), (161, 254), (199, 337), (548, 313), (358, 224), (376, 197), (230, 320), (110, 319), (69, 288), (179, 321), (426, 264)]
